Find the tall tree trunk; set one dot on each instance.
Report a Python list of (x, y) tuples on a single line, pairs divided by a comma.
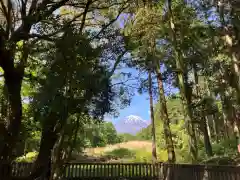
[(227, 114), (215, 129), (154, 152), (210, 118), (74, 138), (165, 118), (204, 120), (182, 86), (56, 155), (10, 132), (207, 143), (41, 165), (62, 152), (50, 131), (13, 76)]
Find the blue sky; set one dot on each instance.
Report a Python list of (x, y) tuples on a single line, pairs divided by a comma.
[(139, 105)]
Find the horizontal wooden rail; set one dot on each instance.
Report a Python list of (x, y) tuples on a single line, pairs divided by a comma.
[(77, 171)]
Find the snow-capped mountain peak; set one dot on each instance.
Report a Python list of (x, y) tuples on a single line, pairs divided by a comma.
[(131, 124), (133, 118)]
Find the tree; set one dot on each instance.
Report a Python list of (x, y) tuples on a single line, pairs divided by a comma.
[(69, 89), (148, 58), (39, 25), (182, 82), (154, 151)]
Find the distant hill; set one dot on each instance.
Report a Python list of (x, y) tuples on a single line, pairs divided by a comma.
[(131, 124)]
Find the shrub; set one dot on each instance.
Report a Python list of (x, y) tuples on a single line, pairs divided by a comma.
[(142, 156), (29, 157)]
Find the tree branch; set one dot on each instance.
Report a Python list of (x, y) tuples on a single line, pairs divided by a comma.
[(123, 82), (85, 15), (110, 23), (33, 6), (4, 9), (117, 63), (42, 37), (36, 16)]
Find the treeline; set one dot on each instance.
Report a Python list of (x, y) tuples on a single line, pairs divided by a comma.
[(90, 135)]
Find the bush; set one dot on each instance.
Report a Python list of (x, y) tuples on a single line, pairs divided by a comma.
[(162, 155), (29, 157), (142, 156), (220, 160)]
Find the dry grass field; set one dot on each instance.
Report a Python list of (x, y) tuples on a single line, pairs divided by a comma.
[(131, 151), (131, 145)]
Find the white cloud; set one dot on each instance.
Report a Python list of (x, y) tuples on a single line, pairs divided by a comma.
[(107, 118)]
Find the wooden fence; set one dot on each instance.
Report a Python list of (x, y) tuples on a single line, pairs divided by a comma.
[(79, 171), (112, 171)]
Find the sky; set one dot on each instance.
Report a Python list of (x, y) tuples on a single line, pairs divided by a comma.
[(139, 106)]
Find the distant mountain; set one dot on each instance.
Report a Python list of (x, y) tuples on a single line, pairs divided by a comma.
[(131, 124)]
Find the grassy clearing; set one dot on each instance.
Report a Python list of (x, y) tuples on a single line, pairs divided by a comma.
[(132, 151), (131, 145)]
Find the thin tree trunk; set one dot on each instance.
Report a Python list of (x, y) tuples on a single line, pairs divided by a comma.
[(207, 143), (227, 114), (204, 120), (154, 152), (215, 128), (183, 91), (166, 121), (74, 140), (210, 118)]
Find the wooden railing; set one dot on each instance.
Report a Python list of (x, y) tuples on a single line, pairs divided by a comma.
[(79, 171), (133, 170)]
